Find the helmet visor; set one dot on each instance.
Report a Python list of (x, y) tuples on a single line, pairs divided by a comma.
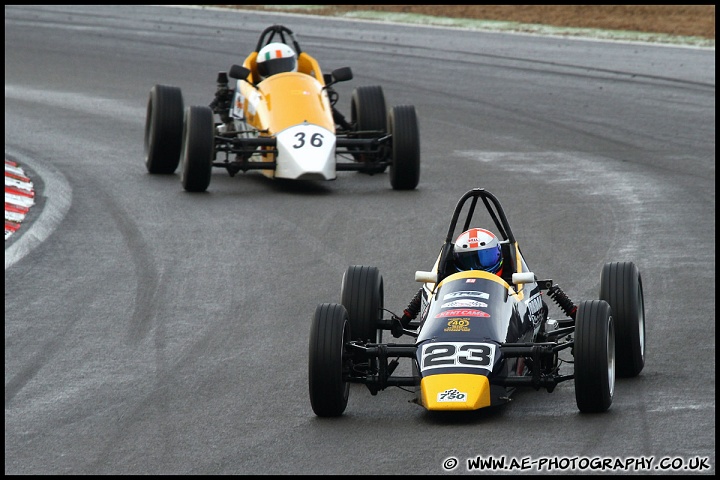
[(488, 259), (276, 65)]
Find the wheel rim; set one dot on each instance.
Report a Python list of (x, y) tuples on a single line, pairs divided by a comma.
[(641, 324), (611, 357), (149, 127), (344, 363)]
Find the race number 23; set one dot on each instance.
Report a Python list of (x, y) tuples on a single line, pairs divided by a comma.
[(315, 140), (457, 354)]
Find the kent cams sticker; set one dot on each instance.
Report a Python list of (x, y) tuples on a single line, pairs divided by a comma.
[(462, 312)]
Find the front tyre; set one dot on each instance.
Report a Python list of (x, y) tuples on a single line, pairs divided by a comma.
[(198, 148), (329, 333), (362, 296), (368, 113), (405, 162), (594, 352), (163, 129), (621, 287)]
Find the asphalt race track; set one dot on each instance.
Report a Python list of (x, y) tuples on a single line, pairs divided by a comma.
[(153, 331)]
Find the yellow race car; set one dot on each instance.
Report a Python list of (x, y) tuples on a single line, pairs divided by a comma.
[(279, 116)]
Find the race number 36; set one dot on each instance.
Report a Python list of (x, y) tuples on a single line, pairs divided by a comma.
[(316, 140), (457, 354)]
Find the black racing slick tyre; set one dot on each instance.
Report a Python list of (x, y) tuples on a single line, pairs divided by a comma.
[(594, 352), (330, 331), (163, 129), (362, 296), (405, 163), (197, 148), (621, 287), (368, 113)]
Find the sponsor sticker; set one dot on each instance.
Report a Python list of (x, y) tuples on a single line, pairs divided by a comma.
[(534, 306), (462, 312), (465, 302), (451, 395), (466, 293), (238, 105), (253, 102), (458, 325)]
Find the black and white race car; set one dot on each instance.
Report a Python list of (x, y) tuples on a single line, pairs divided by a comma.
[(478, 336)]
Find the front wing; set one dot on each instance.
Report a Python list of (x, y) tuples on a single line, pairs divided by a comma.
[(249, 152), (457, 389)]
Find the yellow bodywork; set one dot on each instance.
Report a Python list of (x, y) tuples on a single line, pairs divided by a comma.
[(285, 100), (455, 391)]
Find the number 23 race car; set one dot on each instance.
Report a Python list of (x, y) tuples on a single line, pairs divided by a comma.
[(478, 336), (281, 119)]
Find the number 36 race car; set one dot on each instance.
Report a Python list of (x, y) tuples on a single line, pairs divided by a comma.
[(478, 336), (280, 118)]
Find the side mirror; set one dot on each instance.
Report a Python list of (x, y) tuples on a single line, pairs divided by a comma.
[(239, 72), (524, 277), (426, 277), (342, 74)]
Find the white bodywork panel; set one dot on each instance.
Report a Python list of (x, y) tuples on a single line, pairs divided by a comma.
[(306, 152)]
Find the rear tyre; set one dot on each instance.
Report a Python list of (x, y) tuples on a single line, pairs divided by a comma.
[(405, 163), (368, 112), (362, 296), (330, 331), (198, 148), (621, 287), (163, 129), (594, 352)]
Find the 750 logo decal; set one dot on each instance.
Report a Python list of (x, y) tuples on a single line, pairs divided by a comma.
[(452, 395), (457, 354)]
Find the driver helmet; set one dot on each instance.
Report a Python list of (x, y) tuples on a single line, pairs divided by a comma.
[(275, 58), (477, 249)]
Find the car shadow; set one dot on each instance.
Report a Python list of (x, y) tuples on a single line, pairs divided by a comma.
[(463, 417), (281, 185)]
